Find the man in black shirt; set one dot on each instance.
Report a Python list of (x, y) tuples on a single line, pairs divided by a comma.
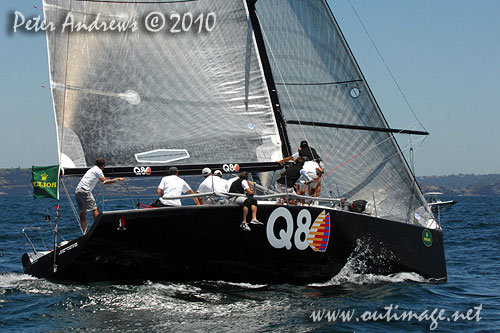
[(292, 173), (303, 150), (243, 186)]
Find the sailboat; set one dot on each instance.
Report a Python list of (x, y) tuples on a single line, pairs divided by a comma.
[(231, 85)]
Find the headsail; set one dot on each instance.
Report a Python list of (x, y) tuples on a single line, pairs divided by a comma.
[(318, 81), (167, 97)]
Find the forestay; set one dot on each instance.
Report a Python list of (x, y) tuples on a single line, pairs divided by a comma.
[(318, 80), (192, 96)]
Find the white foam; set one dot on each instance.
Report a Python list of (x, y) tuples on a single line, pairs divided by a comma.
[(356, 264), (243, 285), (9, 280), (362, 279)]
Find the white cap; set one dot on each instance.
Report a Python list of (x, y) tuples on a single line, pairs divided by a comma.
[(218, 173), (206, 171)]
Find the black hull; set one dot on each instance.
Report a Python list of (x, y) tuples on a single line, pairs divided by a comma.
[(206, 242)]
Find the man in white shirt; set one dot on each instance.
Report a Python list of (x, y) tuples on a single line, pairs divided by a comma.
[(172, 186), (211, 184), (314, 171), (218, 173), (83, 192)]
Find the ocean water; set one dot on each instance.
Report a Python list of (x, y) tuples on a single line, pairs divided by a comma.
[(468, 302)]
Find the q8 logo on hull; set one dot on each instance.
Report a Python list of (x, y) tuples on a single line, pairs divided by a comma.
[(316, 236)]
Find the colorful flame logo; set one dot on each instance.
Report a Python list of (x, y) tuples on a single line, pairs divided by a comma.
[(319, 234)]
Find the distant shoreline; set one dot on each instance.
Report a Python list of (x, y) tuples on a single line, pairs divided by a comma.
[(17, 181)]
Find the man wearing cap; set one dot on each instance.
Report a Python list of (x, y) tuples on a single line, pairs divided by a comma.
[(211, 184), (172, 186), (303, 150), (218, 173)]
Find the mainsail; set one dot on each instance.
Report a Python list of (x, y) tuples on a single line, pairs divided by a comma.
[(156, 98), (318, 81)]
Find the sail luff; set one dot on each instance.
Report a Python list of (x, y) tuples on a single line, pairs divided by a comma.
[(254, 31), (59, 135), (271, 84)]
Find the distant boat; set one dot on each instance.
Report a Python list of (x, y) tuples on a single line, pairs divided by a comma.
[(436, 204), (233, 85), (433, 200)]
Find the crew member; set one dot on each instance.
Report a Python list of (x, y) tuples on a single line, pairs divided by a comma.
[(172, 186), (243, 186), (83, 192)]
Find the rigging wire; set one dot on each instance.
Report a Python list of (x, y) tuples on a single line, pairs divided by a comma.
[(281, 76), (285, 85), (61, 139), (77, 216), (386, 66), (362, 153), (415, 187), (407, 147)]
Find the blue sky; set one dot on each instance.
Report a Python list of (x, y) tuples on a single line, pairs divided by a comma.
[(444, 54)]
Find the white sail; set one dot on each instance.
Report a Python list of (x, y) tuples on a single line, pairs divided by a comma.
[(318, 81), (192, 93)]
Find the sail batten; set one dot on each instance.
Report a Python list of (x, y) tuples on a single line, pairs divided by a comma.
[(316, 83), (363, 128)]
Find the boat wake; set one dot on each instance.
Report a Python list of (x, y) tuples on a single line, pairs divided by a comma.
[(9, 280), (31, 285), (357, 270)]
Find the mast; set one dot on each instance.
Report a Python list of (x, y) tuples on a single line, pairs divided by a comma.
[(271, 85)]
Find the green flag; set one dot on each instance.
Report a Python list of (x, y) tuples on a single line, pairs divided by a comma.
[(45, 181)]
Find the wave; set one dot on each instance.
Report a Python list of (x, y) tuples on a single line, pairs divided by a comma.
[(31, 285), (346, 276), (236, 285), (357, 270), (10, 280)]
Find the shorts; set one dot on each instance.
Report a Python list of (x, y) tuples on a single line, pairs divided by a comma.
[(215, 200), (312, 185), (85, 200), (245, 201)]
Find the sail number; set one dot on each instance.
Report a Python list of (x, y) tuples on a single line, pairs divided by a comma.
[(177, 23)]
